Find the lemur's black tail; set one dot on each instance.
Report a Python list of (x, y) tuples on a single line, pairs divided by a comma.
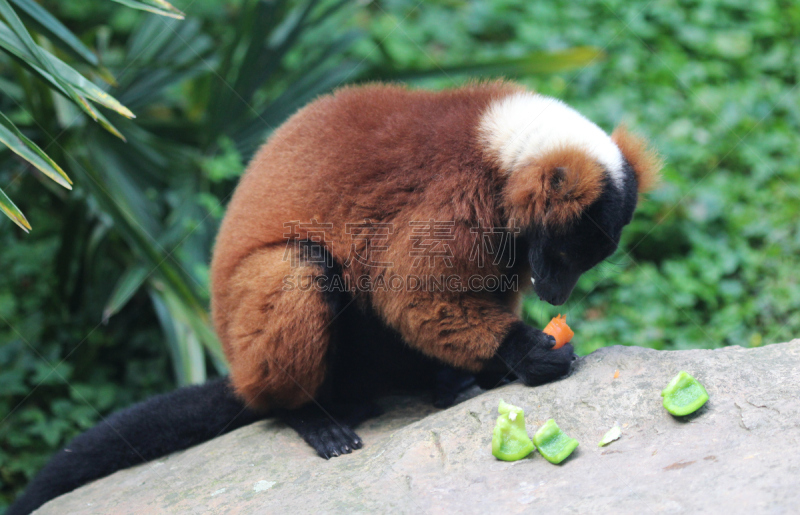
[(143, 432)]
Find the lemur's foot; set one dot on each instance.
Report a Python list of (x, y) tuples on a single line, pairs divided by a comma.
[(529, 354), (330, 431), (449, 383), (489, 380)]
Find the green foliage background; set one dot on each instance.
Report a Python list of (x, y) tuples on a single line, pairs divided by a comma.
[(710, 259)]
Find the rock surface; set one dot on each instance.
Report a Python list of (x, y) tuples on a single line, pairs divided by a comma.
[(738, 454)]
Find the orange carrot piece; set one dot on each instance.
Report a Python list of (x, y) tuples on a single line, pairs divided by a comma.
[(558, 329), (616, 374)]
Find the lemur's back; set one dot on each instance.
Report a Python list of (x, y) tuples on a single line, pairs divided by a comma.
[(362, 153)]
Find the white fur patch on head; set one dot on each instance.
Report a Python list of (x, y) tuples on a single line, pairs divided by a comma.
[(522, 126)]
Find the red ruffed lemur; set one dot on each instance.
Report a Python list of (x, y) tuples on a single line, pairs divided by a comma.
[(355, 255)]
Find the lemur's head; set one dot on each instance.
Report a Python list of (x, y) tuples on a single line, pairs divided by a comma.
[(570, 186)]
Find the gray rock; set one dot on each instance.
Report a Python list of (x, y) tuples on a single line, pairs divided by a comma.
[(738, 454)]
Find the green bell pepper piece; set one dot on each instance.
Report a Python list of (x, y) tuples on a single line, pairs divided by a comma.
[(510, 440), (612, 434), (553, 443), (684, 395)]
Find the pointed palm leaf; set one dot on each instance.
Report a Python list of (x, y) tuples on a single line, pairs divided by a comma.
[(57, 72), (13, 212), (132, 279), (18, 143), (183, 344), (46, 24), (37, 57)]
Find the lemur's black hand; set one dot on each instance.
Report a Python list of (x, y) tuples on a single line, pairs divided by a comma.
[(529, 354)]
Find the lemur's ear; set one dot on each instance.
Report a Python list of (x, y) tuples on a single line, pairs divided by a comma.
[(645, 161), (554, 189)]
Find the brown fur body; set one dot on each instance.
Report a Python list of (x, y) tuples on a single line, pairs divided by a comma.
[(382, 155)]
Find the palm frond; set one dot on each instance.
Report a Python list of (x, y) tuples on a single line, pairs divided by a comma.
[(188, 360), (35, 56), (132, 279), (16, 41), (18, 143), (46, 24), (12, 211), (59, 74)]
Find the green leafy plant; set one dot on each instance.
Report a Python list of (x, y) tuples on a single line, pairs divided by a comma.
[(17, 42)]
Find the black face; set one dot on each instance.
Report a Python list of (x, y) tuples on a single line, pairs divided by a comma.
[(558, 258)]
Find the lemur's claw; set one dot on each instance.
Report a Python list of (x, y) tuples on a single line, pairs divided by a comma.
[(329, 432)]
